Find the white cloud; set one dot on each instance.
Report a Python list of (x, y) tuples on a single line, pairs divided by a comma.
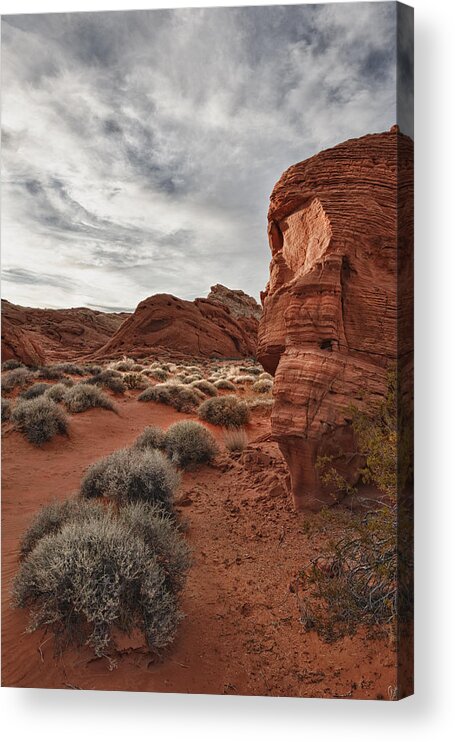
[(141, 147)]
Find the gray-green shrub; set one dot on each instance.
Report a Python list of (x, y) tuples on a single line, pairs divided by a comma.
[(6, 409), (131, 475), (188, 443), (93, 577), (224, 384), (39, 419), (228, 411), (51, 519), (83, 397), (180, 396), (35, 390), (151, 437), (205, 387)]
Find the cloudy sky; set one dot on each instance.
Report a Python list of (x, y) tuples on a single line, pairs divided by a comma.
[(140, 148)]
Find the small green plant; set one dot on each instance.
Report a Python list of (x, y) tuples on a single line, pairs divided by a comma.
[(228, 411), (82, 397), (131, 475), (189, 443), (39, 419), (35, 390)]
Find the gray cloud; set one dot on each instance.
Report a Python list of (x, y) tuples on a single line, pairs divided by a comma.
[(141, 147)]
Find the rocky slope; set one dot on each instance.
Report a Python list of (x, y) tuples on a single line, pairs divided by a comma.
[(37, 336), (202, 327), (341, 266)]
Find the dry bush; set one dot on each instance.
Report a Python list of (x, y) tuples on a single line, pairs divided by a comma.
[(109, 379), (137, 367), (6, 409), (56, 392), (39, 419), (92, 577), (126, 364), (224, 384), (183, 398), (262, 386), (16, 378), (35, 390), (259, 404), (135, 380), (235, 439), (91, 369), (205, 387), (191, 378), (160, 374), (11, 364), (265, 375), (162, 537), (244, 379), (51, 519), (51, 373), (251, 370), (355, 581), (130, 475), (151, 437), (71, 368), (188, 443), (227, 411), (82, 397)]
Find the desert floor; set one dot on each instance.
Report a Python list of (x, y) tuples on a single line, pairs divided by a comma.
[(242, 633)]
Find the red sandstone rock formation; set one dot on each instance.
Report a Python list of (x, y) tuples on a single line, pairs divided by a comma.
[(339, 298), (38, 336), (240, 304), (192, 328)]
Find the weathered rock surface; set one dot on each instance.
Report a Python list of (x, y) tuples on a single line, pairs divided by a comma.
[(239, 303), (38, 336), (193, 328), (339, 298)]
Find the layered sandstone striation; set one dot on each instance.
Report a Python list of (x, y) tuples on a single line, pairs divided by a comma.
[(341, 266), (202, 327), (38, 336)]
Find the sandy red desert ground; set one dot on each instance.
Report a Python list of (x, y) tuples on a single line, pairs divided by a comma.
[(242, 632)]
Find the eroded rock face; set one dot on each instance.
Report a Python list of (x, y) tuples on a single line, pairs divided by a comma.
[(240, 304), (341, 265), (188, 328), (38, 336)]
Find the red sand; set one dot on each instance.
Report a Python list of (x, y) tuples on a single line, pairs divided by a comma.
[(241, 634)]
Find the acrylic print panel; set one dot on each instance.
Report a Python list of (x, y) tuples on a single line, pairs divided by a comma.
[(207, 350)]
